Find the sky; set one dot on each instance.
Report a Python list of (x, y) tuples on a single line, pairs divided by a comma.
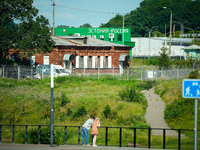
[(74, 13)]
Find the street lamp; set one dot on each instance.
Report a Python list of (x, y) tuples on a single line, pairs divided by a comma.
[(123, 25), (193, 32), (181, 26), (150, 30), (170, 33), (53, 16)]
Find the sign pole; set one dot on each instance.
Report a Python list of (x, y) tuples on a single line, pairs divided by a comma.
[(195, 124), (52, 86)]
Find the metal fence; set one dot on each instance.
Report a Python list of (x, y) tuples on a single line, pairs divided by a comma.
[(108, 136), (21, 72)]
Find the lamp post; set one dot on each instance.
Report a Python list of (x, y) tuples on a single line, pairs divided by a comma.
[(53, 16), (150, 30), (193, 32), (123, 25), (181, 26), (170, 33)]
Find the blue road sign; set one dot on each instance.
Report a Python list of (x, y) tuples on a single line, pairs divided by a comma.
[(191, 88)]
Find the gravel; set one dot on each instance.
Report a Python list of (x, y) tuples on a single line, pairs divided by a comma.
[(155, 114)]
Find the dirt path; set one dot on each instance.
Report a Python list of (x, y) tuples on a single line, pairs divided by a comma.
[(155, 113)]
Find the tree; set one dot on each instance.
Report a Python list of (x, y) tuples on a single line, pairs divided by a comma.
[(30, 35), (86, 25), (164, 60)]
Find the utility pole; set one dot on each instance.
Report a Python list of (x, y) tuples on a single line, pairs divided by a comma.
[(53, 16)]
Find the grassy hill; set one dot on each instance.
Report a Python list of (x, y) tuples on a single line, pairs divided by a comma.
[(75, 100)]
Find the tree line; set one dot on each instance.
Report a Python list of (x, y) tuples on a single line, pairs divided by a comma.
[(151, 13)]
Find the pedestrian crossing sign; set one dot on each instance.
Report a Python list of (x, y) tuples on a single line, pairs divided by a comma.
[(191, 88)]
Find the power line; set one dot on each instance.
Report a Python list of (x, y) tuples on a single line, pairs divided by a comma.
[(100, 12)]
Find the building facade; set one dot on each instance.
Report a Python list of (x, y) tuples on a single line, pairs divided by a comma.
[(76, 54), (114, 35)]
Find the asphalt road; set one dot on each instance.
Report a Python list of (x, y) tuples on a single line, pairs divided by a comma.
[(64, 147)]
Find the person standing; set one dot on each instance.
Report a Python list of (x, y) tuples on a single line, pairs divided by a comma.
[(94, 132), (85, 129)]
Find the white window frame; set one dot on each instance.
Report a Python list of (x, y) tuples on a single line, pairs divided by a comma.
[(109, 62), (46, 60)]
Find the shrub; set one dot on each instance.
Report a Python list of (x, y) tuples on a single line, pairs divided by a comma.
[(193, 75), (69, 112), (130, 94), (64, 100), (44, 136), (80, 112), (107, 111)]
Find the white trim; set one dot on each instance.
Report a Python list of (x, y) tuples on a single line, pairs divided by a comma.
[(94, 61), (77, 61), (101, 61), (85, 62), (109, 62)]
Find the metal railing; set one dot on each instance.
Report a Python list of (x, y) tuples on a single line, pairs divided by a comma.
[(108, 136)]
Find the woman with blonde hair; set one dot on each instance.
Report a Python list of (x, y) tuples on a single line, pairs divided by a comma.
[(94, 132)]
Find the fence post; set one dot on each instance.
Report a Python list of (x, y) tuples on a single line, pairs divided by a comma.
[(84, 72), (13, 137), (106, 136), (18, 72), (3, 70), (79, 136), (26, 135), (120, 137), (39, 134), (177, 72), (113, 71), (98, 72), (141, 73), (149, 141), (134, 138), (65, 135), (179, 139), (164, 138), (162, 72), (127, 73), (31, 72), (0, 133)]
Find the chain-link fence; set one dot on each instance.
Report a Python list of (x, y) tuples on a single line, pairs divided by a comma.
[(17, 72), (140, 73)]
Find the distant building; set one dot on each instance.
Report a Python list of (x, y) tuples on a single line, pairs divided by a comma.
[(76, 53), (145, 47)]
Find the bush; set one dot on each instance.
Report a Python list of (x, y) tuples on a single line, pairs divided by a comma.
[(64, 100), (193, 75), (130, 94), (44, 136), (80, 112), (107, 111)]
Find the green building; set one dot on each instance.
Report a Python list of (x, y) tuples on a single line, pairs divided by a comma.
[(107, 34), (114, 35)]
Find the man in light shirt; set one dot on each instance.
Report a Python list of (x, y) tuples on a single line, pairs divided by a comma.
[(85, 129)]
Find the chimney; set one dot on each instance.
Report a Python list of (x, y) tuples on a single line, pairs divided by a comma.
[(85, 40)]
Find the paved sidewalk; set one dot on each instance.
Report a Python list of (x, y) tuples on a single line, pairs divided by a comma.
[(64, 147)]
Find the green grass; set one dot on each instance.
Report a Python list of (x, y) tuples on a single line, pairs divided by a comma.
[(27, 102)]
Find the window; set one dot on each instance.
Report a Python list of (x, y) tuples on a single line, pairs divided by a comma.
[(12, 57), (90, 62), (46, 60), (98, 57), (101, 37), (32, 61), (94, 36), (111, 36), (81, 61), (119, 37), (106, 62), (77, 34)]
